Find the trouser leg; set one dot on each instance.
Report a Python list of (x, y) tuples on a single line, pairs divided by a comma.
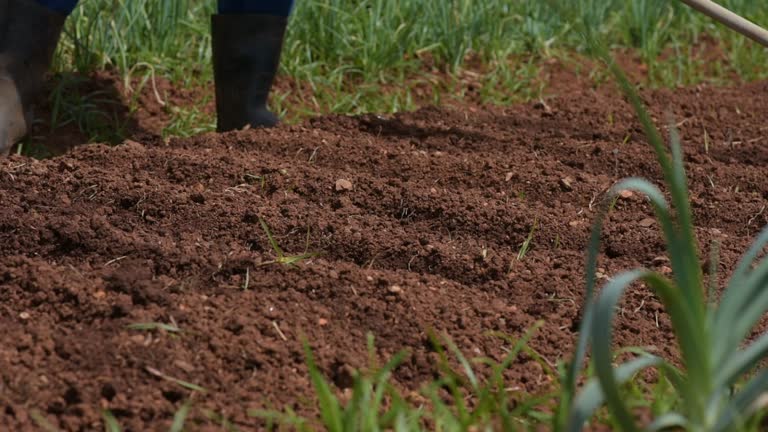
[(64, 7), (261, 7)]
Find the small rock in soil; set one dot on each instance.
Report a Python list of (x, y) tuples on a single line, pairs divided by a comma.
[(541, 105), (343, 185), (647, 222), (566, 184)]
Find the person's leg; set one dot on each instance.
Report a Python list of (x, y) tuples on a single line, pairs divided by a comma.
[(29, 33), (247, 38)]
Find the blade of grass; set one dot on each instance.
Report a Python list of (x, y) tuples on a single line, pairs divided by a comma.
[(154, 326), (271, 239), (330, 409), (185, 384), (180, 418), (42, 422), (110, 422)]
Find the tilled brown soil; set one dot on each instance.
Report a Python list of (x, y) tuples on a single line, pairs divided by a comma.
[(419, 219)]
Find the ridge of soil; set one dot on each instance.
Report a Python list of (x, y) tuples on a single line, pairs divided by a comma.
[(419, 218)]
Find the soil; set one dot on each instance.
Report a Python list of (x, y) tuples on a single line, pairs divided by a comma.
[(418, 218)]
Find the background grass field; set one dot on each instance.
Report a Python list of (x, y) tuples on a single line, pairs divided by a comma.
[(353, 56)]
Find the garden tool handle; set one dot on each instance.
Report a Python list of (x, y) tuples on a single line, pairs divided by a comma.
[(730, 19)]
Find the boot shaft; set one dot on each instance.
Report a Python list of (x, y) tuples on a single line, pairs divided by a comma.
[(246, 56)]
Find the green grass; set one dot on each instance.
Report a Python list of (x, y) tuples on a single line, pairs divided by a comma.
[(461, 399), (526, 245), (110, 422), (360, 56), (281, 257), (154, 326)]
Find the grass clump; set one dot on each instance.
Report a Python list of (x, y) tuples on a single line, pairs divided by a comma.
[(374, 404), (282, 258), (458, 400)]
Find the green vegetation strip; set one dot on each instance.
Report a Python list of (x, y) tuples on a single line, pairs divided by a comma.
[(359, 56)]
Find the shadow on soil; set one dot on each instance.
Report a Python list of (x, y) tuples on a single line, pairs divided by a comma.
[(77, 109)]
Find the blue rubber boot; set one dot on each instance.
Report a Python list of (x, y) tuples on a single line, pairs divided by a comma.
[(29, 33), (246, 55)]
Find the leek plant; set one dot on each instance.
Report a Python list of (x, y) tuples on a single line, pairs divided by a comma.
[(720, 384)]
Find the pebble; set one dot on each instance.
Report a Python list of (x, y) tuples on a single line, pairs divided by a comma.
[(566, 184), (343, 185), (395, 289), (647, 222)]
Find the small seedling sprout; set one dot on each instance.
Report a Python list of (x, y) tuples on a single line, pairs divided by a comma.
[(155, 326), (527, 243), (282, 258)]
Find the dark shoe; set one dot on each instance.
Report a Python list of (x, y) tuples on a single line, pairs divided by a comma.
[(29, 33), (246, 55)]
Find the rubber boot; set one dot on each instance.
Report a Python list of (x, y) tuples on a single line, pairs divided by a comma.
[(246, 54), (29, 33)]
